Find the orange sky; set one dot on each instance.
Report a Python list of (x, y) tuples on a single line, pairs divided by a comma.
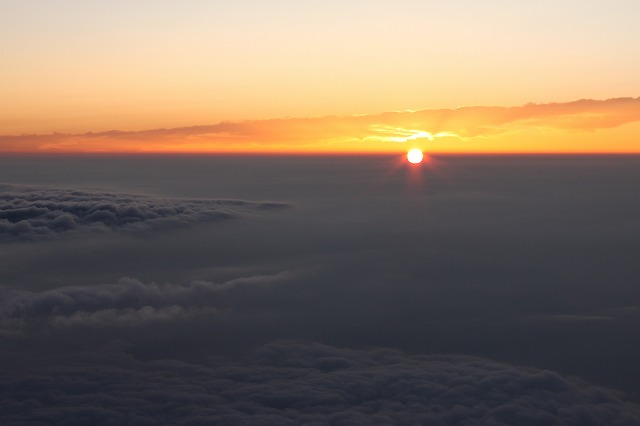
[(589, 126), (73, 71)]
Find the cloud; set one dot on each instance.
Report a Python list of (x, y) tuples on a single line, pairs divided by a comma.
[(511, 260), (563, 318), (129, 302), (291, 383), (347, 133), (31, 213), (462, 265)]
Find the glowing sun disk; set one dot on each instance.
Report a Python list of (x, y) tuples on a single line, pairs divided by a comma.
[(414, 156)]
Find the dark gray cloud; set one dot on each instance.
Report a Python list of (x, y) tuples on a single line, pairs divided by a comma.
[(290, 383), (31, 213)]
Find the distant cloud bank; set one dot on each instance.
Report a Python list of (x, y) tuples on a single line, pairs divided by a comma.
[(442, 129), (32, 213)]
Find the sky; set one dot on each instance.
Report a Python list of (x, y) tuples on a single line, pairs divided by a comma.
[(75, 67), (207, 214)]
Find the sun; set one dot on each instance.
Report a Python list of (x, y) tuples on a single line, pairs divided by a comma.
[(414, 156)]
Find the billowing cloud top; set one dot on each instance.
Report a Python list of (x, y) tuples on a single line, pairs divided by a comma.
[(532, 127), (290, 383), (28, 213), (283, 382)]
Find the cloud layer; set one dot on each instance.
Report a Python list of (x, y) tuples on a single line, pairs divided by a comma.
[(354, 133), (527, 261), (29, 213), (289, 383)]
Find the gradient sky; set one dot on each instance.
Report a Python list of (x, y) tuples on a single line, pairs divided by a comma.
[(75, 66)]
